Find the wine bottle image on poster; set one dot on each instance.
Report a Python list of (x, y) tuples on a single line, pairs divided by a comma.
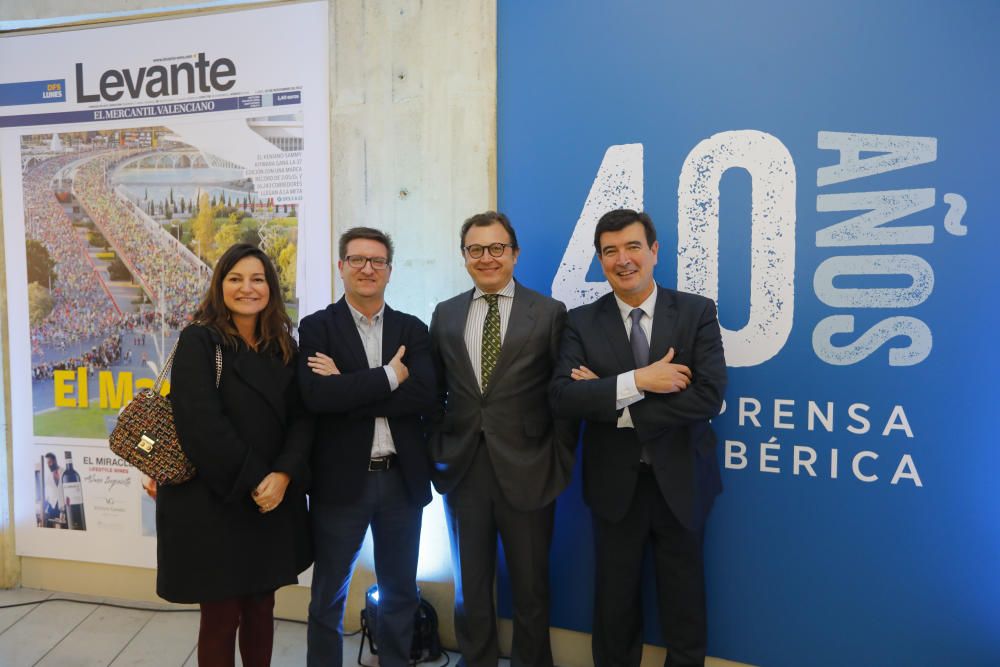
[(53, 500), (39, 496), (73, 494)]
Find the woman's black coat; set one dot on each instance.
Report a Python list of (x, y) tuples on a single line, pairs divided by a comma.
[(212, 541)]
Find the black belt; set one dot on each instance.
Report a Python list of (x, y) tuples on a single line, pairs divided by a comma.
[(381, 463)]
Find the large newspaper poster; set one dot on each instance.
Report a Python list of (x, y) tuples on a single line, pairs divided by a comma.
[(132, 157)]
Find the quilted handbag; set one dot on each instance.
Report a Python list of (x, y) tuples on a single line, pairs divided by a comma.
[(145, 434)]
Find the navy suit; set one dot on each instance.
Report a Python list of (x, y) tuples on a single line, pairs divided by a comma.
[(346, 498), (665, 502)]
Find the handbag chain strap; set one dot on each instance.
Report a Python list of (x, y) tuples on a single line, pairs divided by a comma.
[(170, 361)]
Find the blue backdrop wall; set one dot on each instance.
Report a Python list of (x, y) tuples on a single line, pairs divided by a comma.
[(827, 172)]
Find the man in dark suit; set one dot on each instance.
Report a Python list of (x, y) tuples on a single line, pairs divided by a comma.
[(500, 458), (366, 371), (644, 367)]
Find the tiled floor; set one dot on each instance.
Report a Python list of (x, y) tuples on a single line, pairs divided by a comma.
[(89, 632)]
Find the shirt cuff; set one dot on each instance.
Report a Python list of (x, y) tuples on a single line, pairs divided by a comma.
[(391, 375), (626, 392)]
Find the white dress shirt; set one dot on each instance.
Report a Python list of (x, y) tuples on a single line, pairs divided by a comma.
[(627, 392), (477, 317), (371, 338)]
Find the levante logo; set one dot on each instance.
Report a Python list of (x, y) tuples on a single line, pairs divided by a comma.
[(180, 78)]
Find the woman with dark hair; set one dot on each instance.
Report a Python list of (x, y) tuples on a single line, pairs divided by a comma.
[(239, 529)]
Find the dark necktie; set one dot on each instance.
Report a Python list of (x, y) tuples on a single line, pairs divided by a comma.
[(640, 352), (491, 339), (640, 345)]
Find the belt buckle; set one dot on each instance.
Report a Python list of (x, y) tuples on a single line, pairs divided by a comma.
[(380, 464)]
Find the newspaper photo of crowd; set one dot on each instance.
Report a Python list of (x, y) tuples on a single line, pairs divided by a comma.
[(115, 273)]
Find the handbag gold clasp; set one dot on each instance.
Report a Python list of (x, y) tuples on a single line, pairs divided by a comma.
[(146, 443)]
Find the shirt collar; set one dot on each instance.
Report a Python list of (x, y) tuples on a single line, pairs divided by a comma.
[(360, 319), (507, 291), (647, 306)]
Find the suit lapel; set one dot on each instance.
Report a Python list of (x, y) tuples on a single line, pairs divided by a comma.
[(611, 320), (257, 371), (519, 327), (664, 321), (454, 332), (347, 332), (392, 333)]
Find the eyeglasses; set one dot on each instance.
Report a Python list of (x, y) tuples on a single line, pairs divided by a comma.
[(359, 261), (475, 251)]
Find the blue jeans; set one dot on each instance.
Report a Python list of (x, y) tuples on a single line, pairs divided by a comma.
[(338, 532)]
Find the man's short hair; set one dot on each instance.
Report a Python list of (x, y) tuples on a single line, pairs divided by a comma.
[(369, 233), (485, 219), (619, 219)]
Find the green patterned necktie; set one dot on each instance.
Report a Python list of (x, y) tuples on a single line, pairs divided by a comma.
[(491, 339)]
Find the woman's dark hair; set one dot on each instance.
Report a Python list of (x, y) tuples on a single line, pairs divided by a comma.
[(274, 328)]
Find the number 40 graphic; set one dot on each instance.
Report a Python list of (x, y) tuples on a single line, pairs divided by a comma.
[(619, 184)]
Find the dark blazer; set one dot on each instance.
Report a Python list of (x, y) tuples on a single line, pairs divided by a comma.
[(532, 454), (346, 405), (674, 427), (212, 541)]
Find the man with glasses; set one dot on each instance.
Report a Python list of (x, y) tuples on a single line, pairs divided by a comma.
[(366, 371), (500, 459)]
